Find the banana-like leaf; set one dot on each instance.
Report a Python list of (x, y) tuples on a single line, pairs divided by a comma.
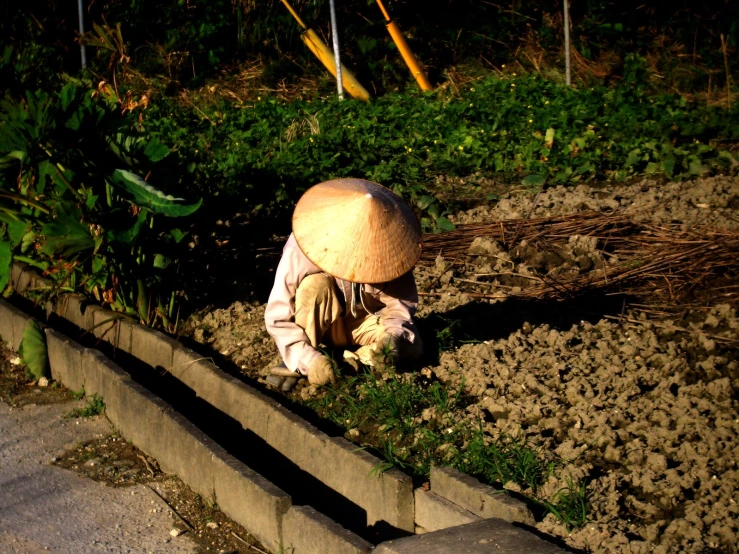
[(65, 236), (33, 351), (16, 231), (146, 196), (8, 214), (12, 157), (129, 235), (6, 264)]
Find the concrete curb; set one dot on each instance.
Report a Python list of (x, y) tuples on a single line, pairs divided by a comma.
[(386, 498), (306, 530), (482, 537), (434, 512), (261, 507), (481, 500), (181, 448)]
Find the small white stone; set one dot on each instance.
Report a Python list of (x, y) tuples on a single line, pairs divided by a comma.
[(15, 361), (43, 382), (176, 532), (211, 525)]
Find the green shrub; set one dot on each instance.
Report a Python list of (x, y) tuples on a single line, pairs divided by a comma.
[(67, 210)]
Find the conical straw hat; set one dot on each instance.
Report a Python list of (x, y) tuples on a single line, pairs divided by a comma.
[(357, 230)]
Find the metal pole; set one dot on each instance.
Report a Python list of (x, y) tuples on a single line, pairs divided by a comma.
[(567, 43), (81, 11), (337, 56)]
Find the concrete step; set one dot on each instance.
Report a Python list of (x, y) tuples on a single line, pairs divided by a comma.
[(487, 536)]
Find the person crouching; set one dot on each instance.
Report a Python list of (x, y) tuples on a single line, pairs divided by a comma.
[(345, 279)]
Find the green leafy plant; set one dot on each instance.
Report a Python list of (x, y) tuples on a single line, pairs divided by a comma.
[(512, 129), (94, 407), (67, 210), (33, 351)]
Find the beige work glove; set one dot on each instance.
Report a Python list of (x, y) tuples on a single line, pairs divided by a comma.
[(384, 352), (321, 371)]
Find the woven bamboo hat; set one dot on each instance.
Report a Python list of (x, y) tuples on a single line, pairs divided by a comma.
[(357, 231)]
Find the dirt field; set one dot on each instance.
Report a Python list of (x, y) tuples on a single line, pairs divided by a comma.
[(640, 405)]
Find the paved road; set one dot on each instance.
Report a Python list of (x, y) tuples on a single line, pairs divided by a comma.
[(44, 508)]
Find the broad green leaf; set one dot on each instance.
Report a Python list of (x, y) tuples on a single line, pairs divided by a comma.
[(177, 235), (98, 263), (534, 180), (443, 224), (161, 261), (425, 201), (28, 240), (155, 150), (91, 199), (146, 196), (65, 236), (67, 95), (16, 231), (129, 235), (33, 351), (6, 264), (8, 214), (651, 168), (44, 169), (12, 157)]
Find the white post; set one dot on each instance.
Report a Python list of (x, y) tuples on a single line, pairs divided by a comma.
[(567, 43), (337, 56), (81, 12)]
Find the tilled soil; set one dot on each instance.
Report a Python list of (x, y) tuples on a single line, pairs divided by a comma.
[(643, 410)]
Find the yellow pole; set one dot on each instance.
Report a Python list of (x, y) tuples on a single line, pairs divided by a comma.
[(294, 14), (405, 50), (326, 57)]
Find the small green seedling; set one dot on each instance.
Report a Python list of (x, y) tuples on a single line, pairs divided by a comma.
[(95, 406)]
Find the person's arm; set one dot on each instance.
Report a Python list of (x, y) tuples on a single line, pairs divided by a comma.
[(400, 298), (279, 316)]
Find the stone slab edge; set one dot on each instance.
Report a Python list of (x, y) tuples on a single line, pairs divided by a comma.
[(434, 512), (307, 530), (486, 536), (180, 448), (480, 499), (386, 498)]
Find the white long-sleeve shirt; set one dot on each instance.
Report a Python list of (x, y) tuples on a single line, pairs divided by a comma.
[(394, 302)]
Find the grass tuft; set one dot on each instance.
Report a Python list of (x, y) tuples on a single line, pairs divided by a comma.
[(570, 504), (414, 423), (95, 406)]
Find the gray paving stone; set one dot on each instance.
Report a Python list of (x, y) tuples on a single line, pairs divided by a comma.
[(487, 536)]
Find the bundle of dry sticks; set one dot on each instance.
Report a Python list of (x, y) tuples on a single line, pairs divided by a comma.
[(667, 264)]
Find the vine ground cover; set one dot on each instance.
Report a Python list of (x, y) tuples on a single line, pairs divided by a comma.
[(269, 151)]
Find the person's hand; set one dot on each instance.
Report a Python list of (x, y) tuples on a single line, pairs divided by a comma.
[(321, 371), (384, 351)]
